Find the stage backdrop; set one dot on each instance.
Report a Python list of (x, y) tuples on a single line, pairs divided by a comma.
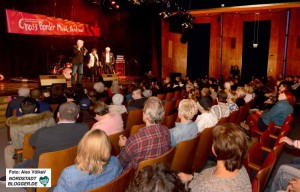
[(34, 24)]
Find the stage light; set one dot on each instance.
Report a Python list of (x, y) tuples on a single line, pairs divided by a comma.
[(113, 2)]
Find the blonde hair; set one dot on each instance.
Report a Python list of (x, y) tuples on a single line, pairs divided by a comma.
[(154, 110), (227, 85), (93, 152), (249, 89), (233, 96), (241, 91), (188, 108)]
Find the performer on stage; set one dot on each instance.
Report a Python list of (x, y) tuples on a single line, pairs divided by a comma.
[(93, 64), (77, 61), (108, 60)]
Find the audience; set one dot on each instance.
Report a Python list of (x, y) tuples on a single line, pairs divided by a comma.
[(138, 101), (117, 106), (56, 95), (67, 133), (156, 178), (221, 109), (151, 141), (231, 101), (241, 93), (207, 119), (186, 129), (100, 90), (94, 165), (37, 95), (19, 126), (110, 123), (14, 104), (229, 147)]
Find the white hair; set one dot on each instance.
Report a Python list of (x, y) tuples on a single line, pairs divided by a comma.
[(107, 48), (80, 42), (99, 87), (24, 91), (154, 110)]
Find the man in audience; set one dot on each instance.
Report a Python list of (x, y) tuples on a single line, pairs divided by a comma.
[(23, 92), (19, 126), (151, 141), (186, 129), (67, 133), (138, 101)]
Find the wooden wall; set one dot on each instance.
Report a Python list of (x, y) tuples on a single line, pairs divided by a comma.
[(174, 53)]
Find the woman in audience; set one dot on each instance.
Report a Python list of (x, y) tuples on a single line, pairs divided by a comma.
[(207, 118), (94, 165), (229, 147), (241, 93), (231, 101), (156, 178), (227, 86), (186, 129), (279, 112), (110, 123), (100, 89), (221, 110), (249, 93), (117, 106)]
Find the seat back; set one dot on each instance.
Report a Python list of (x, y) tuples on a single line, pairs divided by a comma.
[(177, 94), (170, 96), (261, 178), (184, 155), (165, 159), (119, 184), (183, 92), (223, 120), (203, 150), (114, 140), (136, 128), (169, 107), (53, 107), (255, 154), (240, 116), (170, 120), (233, 117), (246, 111), (161, 96), (28, 150), (56, 161), (135, 117)]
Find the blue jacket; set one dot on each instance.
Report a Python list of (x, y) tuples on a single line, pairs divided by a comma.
[(277, 113), (72, 179), (183, 132)]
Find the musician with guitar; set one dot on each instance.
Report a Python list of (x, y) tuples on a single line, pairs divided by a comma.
[(108, 60)]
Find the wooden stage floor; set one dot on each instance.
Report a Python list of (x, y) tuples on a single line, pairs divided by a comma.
[(10, 87)]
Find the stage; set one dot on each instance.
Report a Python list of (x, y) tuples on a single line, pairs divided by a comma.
[(11, 86)]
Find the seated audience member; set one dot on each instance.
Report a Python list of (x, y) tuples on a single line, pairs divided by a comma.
[(130, 89), (213, 91), (231, 99), (117, 106), (86, 115), (115, 87), (23, 92), (156, 178), (221, 110), (37, 94), (205, 92), (67, 133), (207, 119), (19, 126), (188, 88), (279, 112), (110, 123), (56, 95), (227, 86), (287, 177), (249, 93), (186, 129), (100, 89), (147, 93), (138, 101), (151, 141), (229, 147), (94, 166), (241, 93)]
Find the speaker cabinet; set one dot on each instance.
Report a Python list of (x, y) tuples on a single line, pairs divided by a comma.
[(48, 80)]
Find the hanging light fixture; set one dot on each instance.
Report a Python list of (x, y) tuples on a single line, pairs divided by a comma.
[(256, 30)]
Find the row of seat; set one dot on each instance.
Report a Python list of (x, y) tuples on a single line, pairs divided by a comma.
[(264, 154)]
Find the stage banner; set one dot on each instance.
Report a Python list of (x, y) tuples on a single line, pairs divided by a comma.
[(34, 24)]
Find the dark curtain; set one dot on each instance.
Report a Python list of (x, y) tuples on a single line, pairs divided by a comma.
[(198, 51), (255, 60)]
